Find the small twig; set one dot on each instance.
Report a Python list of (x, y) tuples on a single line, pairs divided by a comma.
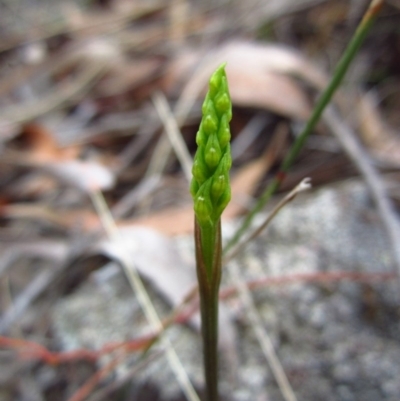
[(178, 21), (183, 106), (304, 185), (331, 277), (261, 334), (31, 110), (25, 298), (32, 291), (159, 157), (174, 133), (143, 298), (92, 382), (248, 134), (135, 147), (103, 24), (109, 389), (181, 314), (135, 196), (31, 350)]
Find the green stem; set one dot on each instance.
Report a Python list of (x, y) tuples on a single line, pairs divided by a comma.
[(208, 238), (325, 98), (209, 327), (209, 282)]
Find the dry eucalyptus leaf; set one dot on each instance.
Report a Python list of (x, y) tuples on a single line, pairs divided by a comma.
[(271, 91), (256, 12), (77, 219), (158, 260), (54, 250), (43, 147), (259, 75), (88, 176), (169, 221), (379, 137), (126, 75), (43, 153)]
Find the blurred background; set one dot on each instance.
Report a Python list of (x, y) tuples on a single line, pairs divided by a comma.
[(100, 101)]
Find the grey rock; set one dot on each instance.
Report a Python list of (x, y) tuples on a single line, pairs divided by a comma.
[(333, 344)]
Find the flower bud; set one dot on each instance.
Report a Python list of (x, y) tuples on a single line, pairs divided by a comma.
[(223, 104), (212, 152), (219, 184), (201, 137), (220, 180), (199, 170), (224, 133), (203, 206), (223, 201), (209, 124)]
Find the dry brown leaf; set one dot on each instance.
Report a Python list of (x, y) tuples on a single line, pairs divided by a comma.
[(125, 76), (157, 259), (42, 146), (54, 250), (97, 22), (44, 153), (88, 176), (380, 139), (169, 221), (256, 13), (274, 92), (259, 75), (81, 219)]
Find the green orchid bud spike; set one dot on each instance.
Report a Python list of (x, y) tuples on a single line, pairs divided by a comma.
[(211, 193), (213, 160)]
